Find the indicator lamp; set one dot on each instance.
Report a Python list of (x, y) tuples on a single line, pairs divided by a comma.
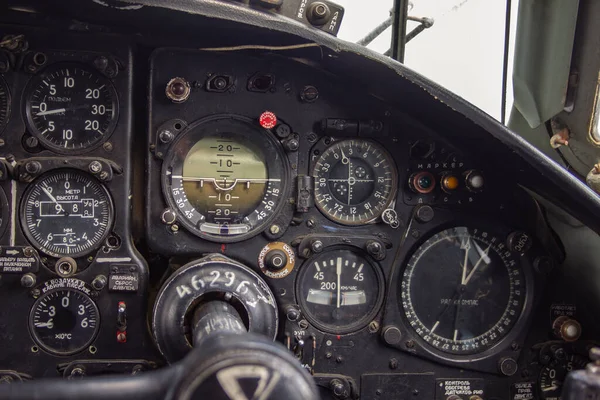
[(450, 183), (267, 120), (422, 182), (474, 181)]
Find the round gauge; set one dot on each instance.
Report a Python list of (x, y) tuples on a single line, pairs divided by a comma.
[(339, 291), (71, 108), (355, 180), (226, 178), (4, 104), (66, 213), (553, 375), (64, 321), (475, 291)]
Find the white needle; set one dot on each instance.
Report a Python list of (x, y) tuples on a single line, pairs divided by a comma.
[(466, 246), (49, 112), (49, 324), (345, 159), (338, 270), (52, 198), (483, 257)]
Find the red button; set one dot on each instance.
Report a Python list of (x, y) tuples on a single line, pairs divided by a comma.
[(267, 120)]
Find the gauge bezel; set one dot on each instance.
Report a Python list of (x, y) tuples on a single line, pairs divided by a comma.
[(3, 212), (390, 197), (48, 349), (358, 324), (39, 246), (4, 123), (517, 328), (37, 79), (176, 155)]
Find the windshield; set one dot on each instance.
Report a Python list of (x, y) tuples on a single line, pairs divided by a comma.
[(463, 50)]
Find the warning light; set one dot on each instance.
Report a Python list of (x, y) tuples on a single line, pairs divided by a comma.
[(450, 183), (267, 120)]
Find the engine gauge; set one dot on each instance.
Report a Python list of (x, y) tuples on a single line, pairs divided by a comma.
[(355, 180), (4, 104), (553, 375), (339, 291), (64, 321), (66, 213), (226, 178), (71, 108), (463, 291)]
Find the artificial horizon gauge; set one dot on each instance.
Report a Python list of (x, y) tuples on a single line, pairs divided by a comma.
[(64, 321), (340, 291), (4, 104), (71, 108), (225, 178), (66, 212), (355, 181), (475, 295)]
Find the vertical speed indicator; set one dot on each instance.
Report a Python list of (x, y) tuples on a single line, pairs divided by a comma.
[(71, 108), (355, 180)]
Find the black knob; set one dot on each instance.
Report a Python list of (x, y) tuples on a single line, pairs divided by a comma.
[(276, 260)]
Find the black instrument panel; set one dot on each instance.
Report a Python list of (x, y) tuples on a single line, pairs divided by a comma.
[(391, 254)]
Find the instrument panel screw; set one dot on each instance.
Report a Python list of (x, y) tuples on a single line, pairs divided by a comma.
[(373, 326), (310, 223), (339, 359), (33, 167), (274, 229), (415, 234), (108, 146), (328, 355), (174, 228), (393, 363), (95, 167), (514, 346), (103, 176), (99, 282), (165, 136), (77, 372), (28, 280), (378, 392), (36, 293), (374, 248), (28, 252), (312, 137), (410, 344), (303, 324), (316, 246)]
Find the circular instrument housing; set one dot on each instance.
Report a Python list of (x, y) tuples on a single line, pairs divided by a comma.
[(4, 104), (64, 321), (355, 181), (66, 213), (340, 291), (71, 108), (476, 291), (225, 178)]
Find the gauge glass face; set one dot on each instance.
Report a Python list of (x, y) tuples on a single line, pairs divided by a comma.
[(227, 185), (71, 108), (462, 291), (339, 291), (66, 213), (4, 104), (64, 321), (355, 180), (553, 375)]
